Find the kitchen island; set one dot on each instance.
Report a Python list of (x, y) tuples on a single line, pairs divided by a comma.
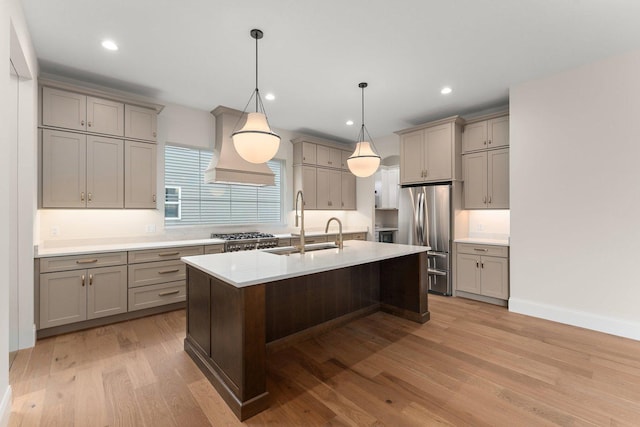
[(241, 303)]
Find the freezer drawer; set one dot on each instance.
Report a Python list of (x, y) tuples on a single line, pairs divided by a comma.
[(439, 281)]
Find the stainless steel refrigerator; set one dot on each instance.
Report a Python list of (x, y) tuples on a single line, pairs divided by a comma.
[(431, 226)]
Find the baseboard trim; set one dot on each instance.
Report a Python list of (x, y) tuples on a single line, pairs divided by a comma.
[(609, 325), (5, 408)]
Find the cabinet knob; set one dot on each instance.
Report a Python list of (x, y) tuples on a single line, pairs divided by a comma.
[(89, 124), (82, 196), (83, 280), (477, 264), (89, 196), (90, 279), (489, 141), (81, 122), (154, 135), (489, 199), (154, 197)]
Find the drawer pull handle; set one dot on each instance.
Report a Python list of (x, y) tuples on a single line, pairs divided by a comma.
[(164, 294), (86, 261), (169, 271), (168, 253), (481, 249)]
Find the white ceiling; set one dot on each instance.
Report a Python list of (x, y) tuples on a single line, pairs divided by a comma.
[(199, 53)]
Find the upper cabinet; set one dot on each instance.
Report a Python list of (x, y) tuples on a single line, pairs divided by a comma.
[(81, 171), (320, 170), (69, 110), (64, 109), (486, 134), (84, 112), (431, 152), (140, 123), (486, 163), (83, 168)]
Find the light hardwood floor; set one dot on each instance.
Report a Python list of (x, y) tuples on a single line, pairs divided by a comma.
[(472, 364)]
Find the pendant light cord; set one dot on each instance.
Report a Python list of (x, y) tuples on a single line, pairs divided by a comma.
[(257, 75)]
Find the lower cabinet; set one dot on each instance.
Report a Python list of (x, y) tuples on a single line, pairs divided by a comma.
[(483, 270), (78, 288), (76, 295)]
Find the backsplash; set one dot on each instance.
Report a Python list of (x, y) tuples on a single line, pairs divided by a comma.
[(489, 224), (63, 227)]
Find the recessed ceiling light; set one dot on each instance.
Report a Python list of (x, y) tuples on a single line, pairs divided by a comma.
[(446, 90), (109, 45), (349, 122), (269, 97)]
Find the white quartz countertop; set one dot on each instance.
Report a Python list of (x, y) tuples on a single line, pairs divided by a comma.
[(119, 247), (483, 241), (77, 249), (248, 268)]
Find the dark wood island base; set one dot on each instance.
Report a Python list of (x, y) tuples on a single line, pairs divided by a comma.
[(230, 327)]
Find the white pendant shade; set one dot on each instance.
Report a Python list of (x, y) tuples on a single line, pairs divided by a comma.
[(364, 161), (255, 142)]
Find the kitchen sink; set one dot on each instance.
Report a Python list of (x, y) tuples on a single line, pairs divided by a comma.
[(307, 248)]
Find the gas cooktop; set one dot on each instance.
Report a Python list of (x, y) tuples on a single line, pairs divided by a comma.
[(242, 236), (246, 241)]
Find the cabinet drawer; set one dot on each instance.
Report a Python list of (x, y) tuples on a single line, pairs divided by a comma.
[(308, 240), (164, 254), (213, 249), (284, 242), (155, 295), (485, 250), (357, 236), (76, 262), (156, 272)]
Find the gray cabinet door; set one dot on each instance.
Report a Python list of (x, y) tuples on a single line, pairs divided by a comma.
[(140, 123), (105, 172), (498, 132), (64, 109), (309, 187), (140, 175), (106, 291), (474, 170), (63, 298), (348, 190), (104, 116), (498, 179), (474, 137), (495, 277), (63, 169), (468, 273), (438, 152), (412, 157)]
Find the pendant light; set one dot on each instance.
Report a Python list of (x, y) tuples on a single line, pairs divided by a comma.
[(256, 142), (364, 161)]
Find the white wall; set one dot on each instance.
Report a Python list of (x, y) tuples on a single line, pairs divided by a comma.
[(575, 196), (11, 14)]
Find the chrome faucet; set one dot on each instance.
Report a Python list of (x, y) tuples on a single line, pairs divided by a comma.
[(301, 196), (339, 241)]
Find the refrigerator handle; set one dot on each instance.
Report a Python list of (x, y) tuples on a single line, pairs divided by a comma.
[(419, 219), (426, 238)]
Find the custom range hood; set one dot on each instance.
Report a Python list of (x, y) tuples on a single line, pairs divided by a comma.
[(226, 164)]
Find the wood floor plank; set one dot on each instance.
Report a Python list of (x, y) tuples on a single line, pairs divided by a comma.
[(471, 364)]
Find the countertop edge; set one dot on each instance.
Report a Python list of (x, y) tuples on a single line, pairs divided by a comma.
[(192, 261), (482, 241)]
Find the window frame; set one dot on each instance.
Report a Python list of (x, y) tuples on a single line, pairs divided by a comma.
[(178, 203)]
